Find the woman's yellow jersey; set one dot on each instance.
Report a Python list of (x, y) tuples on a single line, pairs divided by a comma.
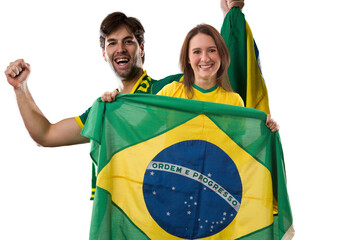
[(215, 94)]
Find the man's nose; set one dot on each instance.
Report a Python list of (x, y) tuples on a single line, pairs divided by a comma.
[(121, 48)]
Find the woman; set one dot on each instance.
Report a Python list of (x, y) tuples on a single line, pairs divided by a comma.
[(204, 61)]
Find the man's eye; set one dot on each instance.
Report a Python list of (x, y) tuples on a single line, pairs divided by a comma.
[(111, 43), (129, 42)]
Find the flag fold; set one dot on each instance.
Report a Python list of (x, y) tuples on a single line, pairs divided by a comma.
[(244, 71)]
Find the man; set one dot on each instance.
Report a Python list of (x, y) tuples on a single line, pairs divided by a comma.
[(122, 44)]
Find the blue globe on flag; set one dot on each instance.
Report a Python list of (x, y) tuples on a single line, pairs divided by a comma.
[(192, 189)]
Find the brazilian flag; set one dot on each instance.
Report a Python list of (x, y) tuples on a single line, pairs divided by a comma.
[(244, 71), (171, 168)]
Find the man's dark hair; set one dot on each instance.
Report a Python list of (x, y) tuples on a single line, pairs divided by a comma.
[(117, 19)]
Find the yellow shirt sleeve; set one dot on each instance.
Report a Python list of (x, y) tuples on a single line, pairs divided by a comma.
[(79, 121), (236, 100), (174, 89)]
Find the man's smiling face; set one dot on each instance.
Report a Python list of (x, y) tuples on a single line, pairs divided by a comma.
[(123, 53)]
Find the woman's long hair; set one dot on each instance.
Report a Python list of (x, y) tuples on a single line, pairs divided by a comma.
[(222, 78)]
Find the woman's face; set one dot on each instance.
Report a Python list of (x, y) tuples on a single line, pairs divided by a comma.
[(203, 57)]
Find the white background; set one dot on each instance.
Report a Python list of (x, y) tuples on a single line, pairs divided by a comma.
[(45, 191)]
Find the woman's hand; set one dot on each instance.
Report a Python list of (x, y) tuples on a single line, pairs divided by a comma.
[(271, 124), (109, 96), (226, 5)]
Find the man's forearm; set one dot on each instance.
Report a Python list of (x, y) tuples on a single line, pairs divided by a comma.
[(65, 132), (36, 123), (62, 133)]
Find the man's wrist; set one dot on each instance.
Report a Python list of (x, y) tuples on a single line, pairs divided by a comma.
[(22, 89)]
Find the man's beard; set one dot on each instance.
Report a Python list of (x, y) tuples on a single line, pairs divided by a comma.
[(127, 74)]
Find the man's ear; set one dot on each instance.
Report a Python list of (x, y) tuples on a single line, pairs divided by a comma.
[(142, 50), (104, 55)]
